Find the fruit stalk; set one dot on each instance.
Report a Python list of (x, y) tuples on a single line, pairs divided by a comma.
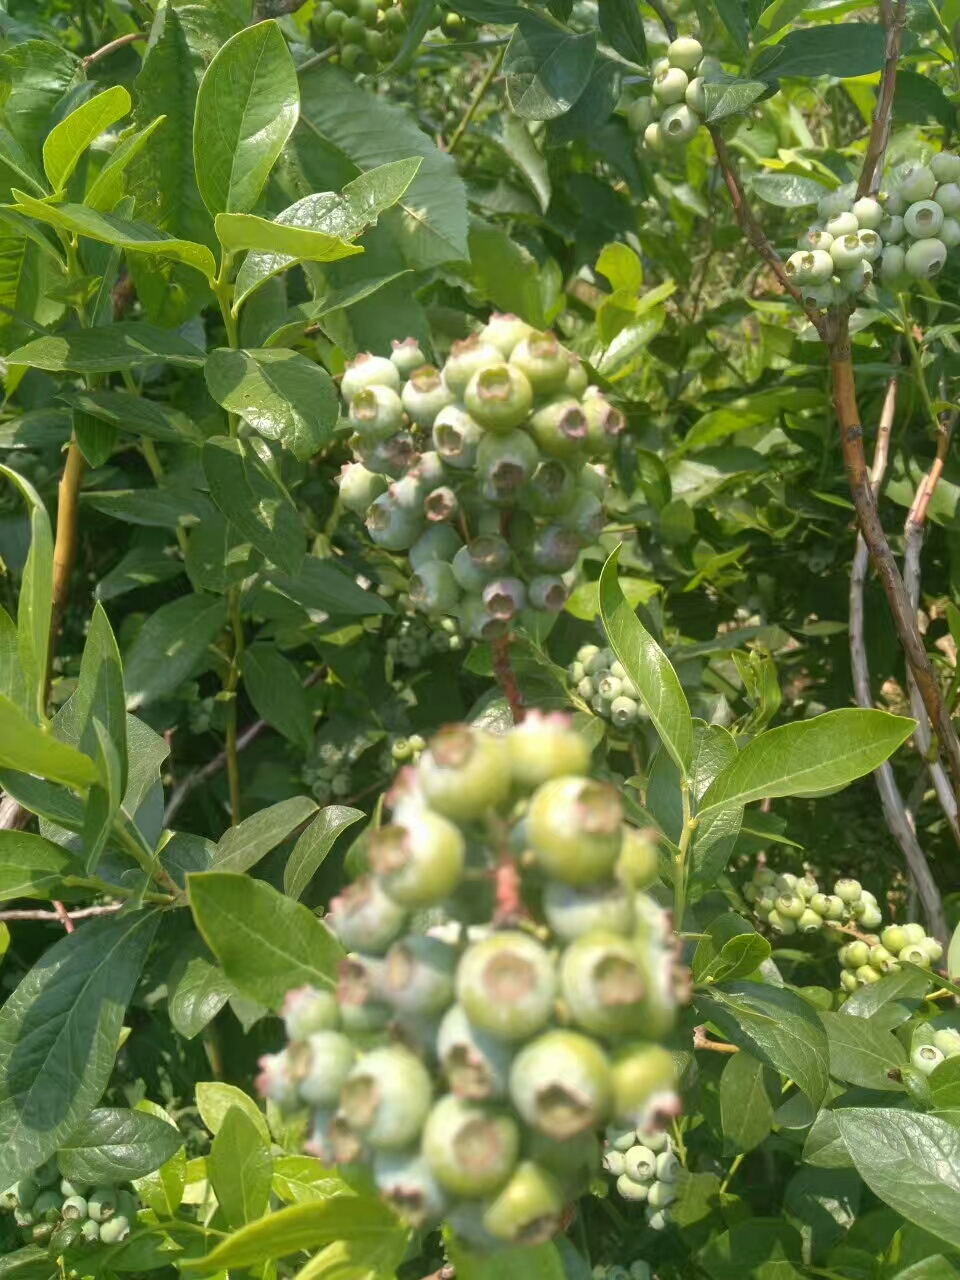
[(500, 651)]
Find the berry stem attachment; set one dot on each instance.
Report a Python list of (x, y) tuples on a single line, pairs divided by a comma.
[(500, 651)]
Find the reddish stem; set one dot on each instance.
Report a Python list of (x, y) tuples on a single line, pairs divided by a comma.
[(500, 650)]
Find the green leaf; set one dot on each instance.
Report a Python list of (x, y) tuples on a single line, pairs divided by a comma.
[(531, 1262), (107, 349), (733, 16), (953, 954), (626, 350), (141, 566), (910, 1161), (777, 14), (809, 756), (254, 501), (31, 867), (746, 1112), (77, 219), (731, 98), (134, 414), (273, 685), (298, 1179), (906, 987), (216, 558), (647, 666), (16, 166), (197, 990), (842, 49), (506, 273), (30, 749), (95, 439), (341, 119), (314, 845), (280, 393), (247, 108), (918, 98), (115, 1145), (739, 957), (621, 266), (23, 279), (241, 847), (301, 316), (110, 184), (321, 584), (238, 232), (775, 1025), (622, 28), (40, 73), (67, 141), (364, 1219), (13, 680), (216, 1100), (162, 1190), (862, 1053), (59, 1033), (787, 190), (266, 943), (35, 603), (753, 410), (171, 645), (98, 697), (546, 68), (240, 1168)]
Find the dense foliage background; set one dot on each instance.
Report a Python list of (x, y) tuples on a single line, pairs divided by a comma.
[(211, 669)]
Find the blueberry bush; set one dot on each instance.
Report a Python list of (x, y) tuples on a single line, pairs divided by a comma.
[(479, 627)]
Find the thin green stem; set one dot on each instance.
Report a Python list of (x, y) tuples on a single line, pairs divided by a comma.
[(147, 862), (481, 92), (680, 858), (230, 688), (114, 890), (916, 363), (735, 1164)]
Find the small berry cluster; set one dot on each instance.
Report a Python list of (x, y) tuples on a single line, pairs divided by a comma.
[(53, 1211), (601, 681), (904, 233), (471, 1065), (678, 101), (646, 1169), (867, 961), (413, 642), (927, 1055), (482, 473), (367, 33)]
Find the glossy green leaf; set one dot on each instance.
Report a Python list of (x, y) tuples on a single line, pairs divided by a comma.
[(746, 1112), (162, 1191), (40, 72), (241, 847), (67, 141), (532, 1262), (239, 232), (31, 867), (787, 190), (751, 411), (139, 237), (134, 414), (910, 1161), (59, 1032), (546, 68), (266, 943), (30, 749), (115, 1145), (13, 679), (506, 274), (240, 1168), (775, 1025), (647, 666), (297, 1179), (622, 28), (141, 566), (247, 107), (314, 845), (731, 98), (110, 184), (35, 603), (171, 646), (217, 558), (273, 685), (862, 1053), (841, 49), (280, 393), (254, 501), (809, 756), (107, 349), (322, 584), (197, 989), (215, 1100)]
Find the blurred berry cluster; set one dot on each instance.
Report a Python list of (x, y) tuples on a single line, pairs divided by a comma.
[(366, 34), (646, 1168)]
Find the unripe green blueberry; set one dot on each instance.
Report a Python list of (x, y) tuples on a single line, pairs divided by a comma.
[(848, 980), (653, 136), (560, 1084), (475, 622), (848, 890), (376, 413), (947, 1040), (505, 464), (359, 487), (916, 953), (456, 436), (504, 331), (548, 593), (661, 1194), (926, 1058), (115, 1230), (685, 52), (575, 383), (560, 428), (766, 876), (433, 588), (868, 212), (365, 918), (950, 232), (639, 114), (644, 1087), (893, 262), (275, 1079), (640, 1163), (475, 1063), (871, 246), (359, 983), (393, 457), (782, 924), (391, 525), (807, 887), (368, 370), (527, 1210), (608, 687), (544, 361), (785, 882), (507, 984), (544, 747), (842, 224), (333, 22), (585, 515), (916, 182), (809, 921), (352, 31), (405, 353), (464, 773), (438, 542), (870, 916), (553, 549), (679, 123), (923, 219), (605, 425), (395, 20), (480, 561), (419, 857), (914, 933), (102, 1203), (854, 954), (624, 712), (25, 1193), (867, 975), (947, 197), (894, 938), (321, 1065), (668, 1166), (630, 1189), (670, 85), (892, 230), (386, 1097), (695, 96), (933, 948), (613, 1161), (73, 1208), (572, 912), (846, 252), (815, 238), (834, 202), (408, 1186), (797, 266), (466, 358), (603, 985), (418, 975), (504, 598), (880, 957), (90, 1231), (470, 1149), (424, 395), (621, 1138), (575, 828), (791, 906), (499, 396)]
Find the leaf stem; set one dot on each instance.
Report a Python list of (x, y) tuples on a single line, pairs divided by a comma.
[(489, 76), (735, 1164), (680, 857), (230, 687)]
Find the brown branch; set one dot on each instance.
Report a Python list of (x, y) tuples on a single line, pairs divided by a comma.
[(880, 125), (66, 918), (861, 490), (105, 50), (702, 1041), (500, 650)]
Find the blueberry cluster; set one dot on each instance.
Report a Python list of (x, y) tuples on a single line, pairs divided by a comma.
[(646, 1169), (866, 960), (483, 472), (677, 108), (329, 772), (600, 680), (366, 33), (927, 1054), (414, 642), (54, 1212), (904, 234), (505, 987)]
